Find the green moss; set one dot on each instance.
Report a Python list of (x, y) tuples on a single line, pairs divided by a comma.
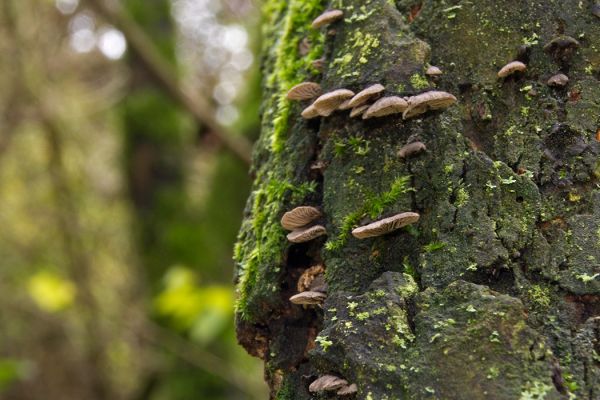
[(540, 296), (419, 82)]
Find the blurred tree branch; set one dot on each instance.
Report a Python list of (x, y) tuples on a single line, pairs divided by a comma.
[(162, 72)]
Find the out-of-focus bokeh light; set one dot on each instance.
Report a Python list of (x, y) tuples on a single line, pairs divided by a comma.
[(112, 43), (67, 6)]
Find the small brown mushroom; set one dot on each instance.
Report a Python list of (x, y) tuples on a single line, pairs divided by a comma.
[(327, 18), (433, 71), (345, 105), (306, 234), (308, 298), (386, 106), (432, 100), (385, 225), (511, 68), (366, 94), (358, 111), (329, 102), (310, 112), (304, 91), (411, 149), (319, 64), (306, 279), (558, 80), (327, 383), (299, 217), (347, 390), (561, 48)]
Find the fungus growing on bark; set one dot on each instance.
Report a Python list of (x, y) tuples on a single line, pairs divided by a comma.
[(364, 95), (358, 111), (411, 149), (385, 225), (299, 217), (329, 102), (511, 68), (345, 105), (302, 235), (327, 383), (432, 100), (558, 80), (561, 48), (347, 390), (310, 112), (327, 18), (308, 298), (306, 279), (386, 106), (304, 91), (319, 64), (433, 71)]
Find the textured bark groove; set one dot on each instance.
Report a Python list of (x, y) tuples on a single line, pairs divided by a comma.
[(494, 292)]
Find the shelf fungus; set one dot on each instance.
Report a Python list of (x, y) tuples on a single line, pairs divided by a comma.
[(385, 225), (433, 71), (345, 105), (299, 217), (304, 91), (305, 282), (365, 95), (348, 390), (358, 111), (308, 298), (411, 149), (327, 383), (386, 106), (558, 80), (511, 68), (302, 235), (310, 112), (329, 102), (328, 17), (432, 100)]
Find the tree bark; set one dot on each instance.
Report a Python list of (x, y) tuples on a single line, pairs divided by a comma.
[(493, 294)]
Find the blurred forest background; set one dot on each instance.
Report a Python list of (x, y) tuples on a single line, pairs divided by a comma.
[(124, 138)]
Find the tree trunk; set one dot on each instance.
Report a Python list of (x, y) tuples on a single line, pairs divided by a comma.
[(493, 293)]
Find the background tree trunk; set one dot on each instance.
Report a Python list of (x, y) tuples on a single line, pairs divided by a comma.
[(494, 292)]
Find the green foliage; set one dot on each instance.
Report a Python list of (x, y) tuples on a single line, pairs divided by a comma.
[(51, 292)]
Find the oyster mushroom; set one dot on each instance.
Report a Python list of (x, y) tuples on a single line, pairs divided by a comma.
[(511, 68), (386, 106), (308, 298), (411, 149), (558, 80), (310, 112), (329, 102), (327, 383), (364, 95), (432, 100), (433, 71), (561, 48), (304, 91), (347, 390), (302, 235), (358, 111), (385, 225), (327, 18), (299, 217)]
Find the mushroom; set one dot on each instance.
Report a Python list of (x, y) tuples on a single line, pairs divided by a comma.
[(308, 277), (327, 18), (561, 48), (345, 105), (432, 100), (319, 64), (310, 112), (386, 106), (329, 102), (411, 149), (308, 298), (358, 111), (327, 383), (306, 234), (304, 91), (347, 390), (299, 217), (385, 225), (433, 71), (511, 68), (558, 80), (364, 95)]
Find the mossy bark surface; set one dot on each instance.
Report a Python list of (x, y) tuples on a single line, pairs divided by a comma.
[(493, 294)]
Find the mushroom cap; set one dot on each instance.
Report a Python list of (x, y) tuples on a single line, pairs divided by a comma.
[(432, 100), (327, 383), (304, 91), (433, 71), (385, 225), (329, 102), (308, 298), (327, 18), (364, 95), (511, 68), (386, 106), (310, 112), (558, 80), (561, 42), (306, 234), (358, 111), (411, 149), (299, 217), (305, 282), (319, 63), (347, 390), (345, 105)]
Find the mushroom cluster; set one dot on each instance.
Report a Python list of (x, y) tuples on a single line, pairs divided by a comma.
[(332, 383), (311, 286), (297, 221)]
